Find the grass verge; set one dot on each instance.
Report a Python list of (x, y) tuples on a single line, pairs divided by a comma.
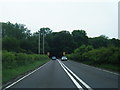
[(110, 67), (9, 74)]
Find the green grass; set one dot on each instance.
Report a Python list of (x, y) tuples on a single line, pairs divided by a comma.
[(110, 67), (9, 74)]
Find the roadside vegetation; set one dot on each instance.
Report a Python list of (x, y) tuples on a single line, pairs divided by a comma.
[(15, 64), (20, 49), (107, 58), (17, 38)]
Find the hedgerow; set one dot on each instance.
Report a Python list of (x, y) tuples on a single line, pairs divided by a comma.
[(109, 55), (13, 59)]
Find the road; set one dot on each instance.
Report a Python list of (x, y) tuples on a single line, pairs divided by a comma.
[(68, 74)]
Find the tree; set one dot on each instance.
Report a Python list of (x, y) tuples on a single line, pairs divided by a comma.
[(10, 44), (18, 31), (80, 37), (45, 31), (114, 42), (60, 42), (98, 42)]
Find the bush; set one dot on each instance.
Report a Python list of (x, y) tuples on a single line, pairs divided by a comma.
[(78, 53), (8, 59), (82, 49), (110, 55), (10, 44), (12, 59), (21, 59)]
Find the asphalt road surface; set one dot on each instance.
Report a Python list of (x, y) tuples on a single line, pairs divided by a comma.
[(68, 74)]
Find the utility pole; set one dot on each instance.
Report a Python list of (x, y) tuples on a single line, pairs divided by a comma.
[(43, 42), (39, 43)]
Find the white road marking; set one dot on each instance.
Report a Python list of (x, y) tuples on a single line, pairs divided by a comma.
[(88, 87), (24, 76), (71, 77)]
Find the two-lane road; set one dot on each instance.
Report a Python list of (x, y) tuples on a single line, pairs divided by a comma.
[(67, 74), (95, 77)]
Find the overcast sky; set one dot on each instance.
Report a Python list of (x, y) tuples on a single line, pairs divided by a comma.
[(96, 17)]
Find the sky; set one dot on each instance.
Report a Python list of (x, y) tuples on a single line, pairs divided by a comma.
[(96, 17)]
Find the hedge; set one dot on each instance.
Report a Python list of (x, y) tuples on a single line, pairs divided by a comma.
[(12, 59), (109, 55)]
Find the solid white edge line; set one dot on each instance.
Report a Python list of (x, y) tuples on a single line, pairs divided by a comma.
[(88, 87), (25, 76), (74, 81)]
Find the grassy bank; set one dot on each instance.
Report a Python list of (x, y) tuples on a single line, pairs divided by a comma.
[(16, 67), (110, 67), (9, 74)]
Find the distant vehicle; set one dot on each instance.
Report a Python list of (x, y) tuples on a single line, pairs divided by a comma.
[(64, 58), (53, 58)]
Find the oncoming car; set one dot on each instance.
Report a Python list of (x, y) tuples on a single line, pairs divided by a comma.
[(53, 58), (64, 58)]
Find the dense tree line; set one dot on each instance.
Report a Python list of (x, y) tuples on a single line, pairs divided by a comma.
[(17, 38)]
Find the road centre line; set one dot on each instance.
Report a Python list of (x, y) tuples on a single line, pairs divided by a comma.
[(25, 76), (88, 87), (71, 77)]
